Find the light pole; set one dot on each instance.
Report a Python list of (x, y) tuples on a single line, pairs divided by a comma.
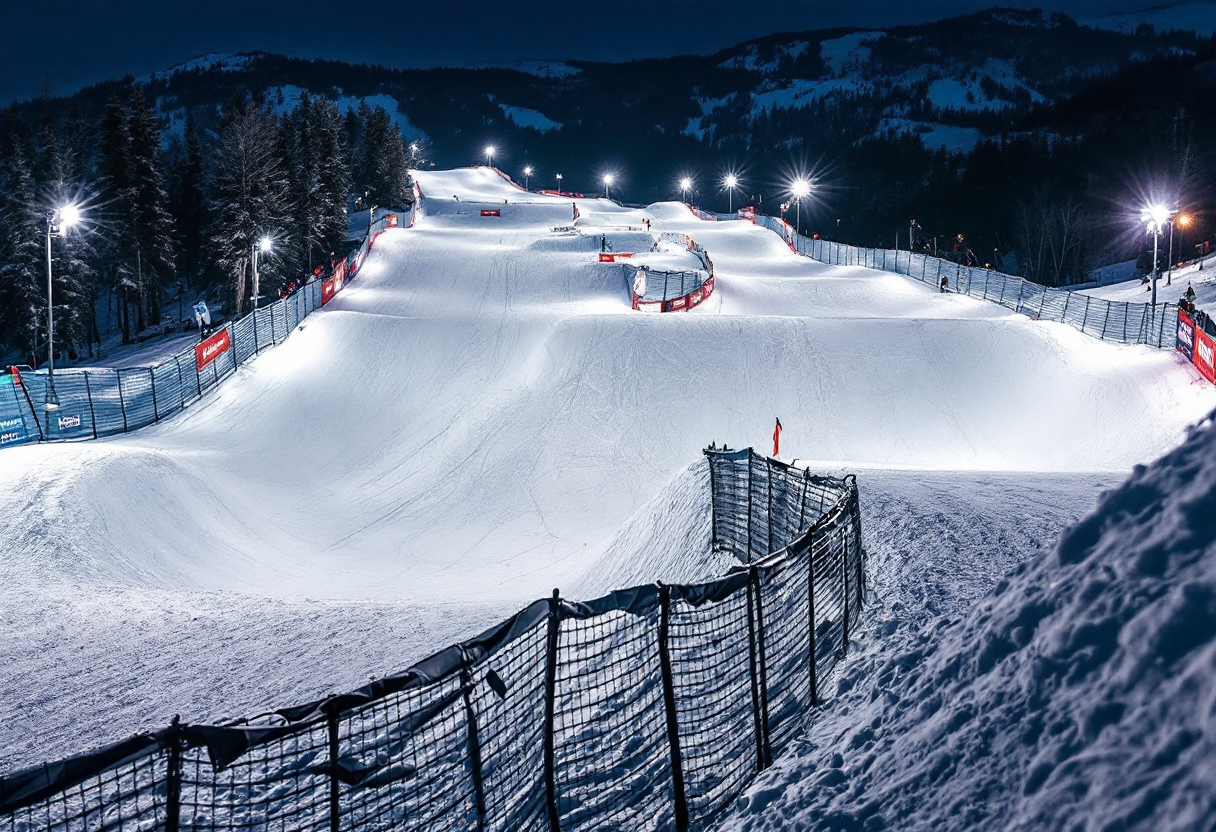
[(558, 176), (56, 222), (607, 184), (799, 189), (261, 245), (685, 184), (1184, 220), (527, 175), (730, 182), (490, 155), (1155, 216)]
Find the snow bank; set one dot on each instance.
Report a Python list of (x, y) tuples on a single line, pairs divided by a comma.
[(1079, 694)]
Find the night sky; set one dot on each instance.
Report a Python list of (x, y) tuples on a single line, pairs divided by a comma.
[(76, 42)]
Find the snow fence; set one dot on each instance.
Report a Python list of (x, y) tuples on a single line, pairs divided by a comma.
[(649, 708), (104, 402), (653, 290), (1123, 323)]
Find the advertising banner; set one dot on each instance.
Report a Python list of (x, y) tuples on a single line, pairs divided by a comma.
[(328, 290), (1205, 355), (12, 430), (212, 348), (748, 213), (1186, 336)]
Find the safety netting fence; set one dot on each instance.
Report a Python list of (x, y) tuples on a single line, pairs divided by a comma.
[(649, 708), (659, 290), (107, 401), (1117, 321)]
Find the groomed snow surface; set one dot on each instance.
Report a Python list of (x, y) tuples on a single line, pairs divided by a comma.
[(480, 417)]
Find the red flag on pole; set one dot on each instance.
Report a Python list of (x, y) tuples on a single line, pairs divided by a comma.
[(777, 439)]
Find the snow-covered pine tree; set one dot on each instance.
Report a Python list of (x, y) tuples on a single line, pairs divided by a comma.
[(384, 164), (249, 191), (117, 188), (153, 230), (74, 276), (187, 199), (22, 253)]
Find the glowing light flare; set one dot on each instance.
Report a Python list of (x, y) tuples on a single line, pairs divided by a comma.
[(264, 245), (800, 188), (731, 180), (68, 215)]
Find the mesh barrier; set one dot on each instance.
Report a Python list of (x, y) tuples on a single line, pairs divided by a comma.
[(1124, 323), (649, 708), (104, 402)]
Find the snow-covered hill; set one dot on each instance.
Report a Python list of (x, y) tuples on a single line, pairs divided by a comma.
[(480, 417)]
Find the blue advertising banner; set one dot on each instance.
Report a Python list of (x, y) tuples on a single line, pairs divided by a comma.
[(1186, 336)]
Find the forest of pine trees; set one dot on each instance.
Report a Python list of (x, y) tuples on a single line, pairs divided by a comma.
[(167, 221)]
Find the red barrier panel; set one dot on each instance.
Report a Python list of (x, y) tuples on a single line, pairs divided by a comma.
[(328, 290), (491, 212), (1205, 355), (212, 348)]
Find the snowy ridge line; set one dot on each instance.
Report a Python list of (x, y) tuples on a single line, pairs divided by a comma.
[(103, 402), (1119, 322), (650, 707)]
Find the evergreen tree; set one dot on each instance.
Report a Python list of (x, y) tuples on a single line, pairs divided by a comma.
[(117, 187), (74, 276), (249, 192), (22, 254), (384, 167), (153, 225), (188, 208)]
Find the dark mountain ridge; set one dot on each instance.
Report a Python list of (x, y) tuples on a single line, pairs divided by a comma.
[(965, 124)]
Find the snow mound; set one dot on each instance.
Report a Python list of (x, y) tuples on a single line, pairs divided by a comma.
[(1079, 694), (667, 539)]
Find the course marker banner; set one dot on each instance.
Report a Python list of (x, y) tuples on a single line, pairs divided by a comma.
[(1205, 355), (1186, 336), (212, 348)]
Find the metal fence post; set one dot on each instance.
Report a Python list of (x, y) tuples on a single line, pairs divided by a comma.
[(844, 569), (1042, 301), (331, 716), (155, 406), (1085, 314), (1105, 320), (473, 743), (768, 481), (88, 392), (755, 659), (550, 709), (121, 400), (256, 345), (678, 796), (173, 782)]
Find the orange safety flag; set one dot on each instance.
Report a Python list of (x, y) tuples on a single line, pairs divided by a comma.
[(777, 439)]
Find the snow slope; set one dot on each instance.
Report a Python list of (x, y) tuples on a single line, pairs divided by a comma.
[(1077, 694), (480, 417)]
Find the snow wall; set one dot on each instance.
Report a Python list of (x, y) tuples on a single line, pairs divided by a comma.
[(650, 707), (1122, 323)]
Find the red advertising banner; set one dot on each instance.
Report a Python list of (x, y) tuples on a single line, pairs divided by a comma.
[(328, 290), (390, 221), (491, 212), (210, 349), (1205, 355)]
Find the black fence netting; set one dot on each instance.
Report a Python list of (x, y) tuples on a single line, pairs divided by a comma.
[(649, 708), (103, 402)]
